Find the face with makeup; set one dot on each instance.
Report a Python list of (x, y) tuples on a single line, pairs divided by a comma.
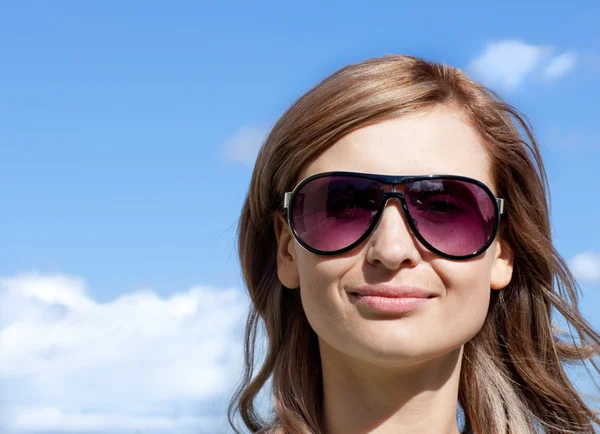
[(431, 142)]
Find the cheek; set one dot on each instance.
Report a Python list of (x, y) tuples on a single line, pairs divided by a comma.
[(320, 276), (320, 290), (467, 296)]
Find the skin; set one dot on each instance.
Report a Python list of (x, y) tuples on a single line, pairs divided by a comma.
[(399, 373)]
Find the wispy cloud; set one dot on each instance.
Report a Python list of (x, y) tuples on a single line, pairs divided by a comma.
[(42, 420), (509, 63), (560, 65), (140, 362), (586, 267), (243, 146)]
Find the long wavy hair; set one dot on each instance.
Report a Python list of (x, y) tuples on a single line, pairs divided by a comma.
[(512, 378)]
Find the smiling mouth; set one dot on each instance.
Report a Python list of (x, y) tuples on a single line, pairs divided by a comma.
[(387, 304)]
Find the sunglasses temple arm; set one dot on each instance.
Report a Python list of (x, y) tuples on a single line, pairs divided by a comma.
[(286, 200), (500, 205)]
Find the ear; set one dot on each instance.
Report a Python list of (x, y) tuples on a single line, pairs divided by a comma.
[(287, 271), (502, 268)]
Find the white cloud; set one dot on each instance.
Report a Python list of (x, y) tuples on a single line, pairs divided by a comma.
[(139, 362), (509, 63), (244, 145), (45, 419), (560, 65), (586, 267)]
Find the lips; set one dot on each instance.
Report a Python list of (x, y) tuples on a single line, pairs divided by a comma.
[(386, 291), (395, 300)]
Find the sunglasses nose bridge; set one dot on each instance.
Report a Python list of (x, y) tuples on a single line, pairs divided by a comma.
[(399, 197), (393, 195)]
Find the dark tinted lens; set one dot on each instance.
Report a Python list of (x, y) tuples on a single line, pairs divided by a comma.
[(331, 213), (455, 217)]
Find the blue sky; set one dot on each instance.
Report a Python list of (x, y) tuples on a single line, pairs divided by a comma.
[(127, 134)]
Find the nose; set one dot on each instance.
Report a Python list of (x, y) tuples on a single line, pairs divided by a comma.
[(392, 243)]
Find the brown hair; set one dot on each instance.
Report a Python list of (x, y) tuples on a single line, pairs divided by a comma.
[(512, 377)]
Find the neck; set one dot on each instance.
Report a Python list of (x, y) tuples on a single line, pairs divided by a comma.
[(361, 397)]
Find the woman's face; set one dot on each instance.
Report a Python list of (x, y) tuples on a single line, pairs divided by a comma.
[(432, 142)]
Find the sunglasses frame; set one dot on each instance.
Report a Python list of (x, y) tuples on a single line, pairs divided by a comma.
[(394, 181)]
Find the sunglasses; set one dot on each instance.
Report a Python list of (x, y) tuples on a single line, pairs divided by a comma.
[(453, 216)]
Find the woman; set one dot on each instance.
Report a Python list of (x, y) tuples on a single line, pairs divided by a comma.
[(390, 295)]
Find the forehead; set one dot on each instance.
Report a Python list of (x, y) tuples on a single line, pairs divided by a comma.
[(431, 142)]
